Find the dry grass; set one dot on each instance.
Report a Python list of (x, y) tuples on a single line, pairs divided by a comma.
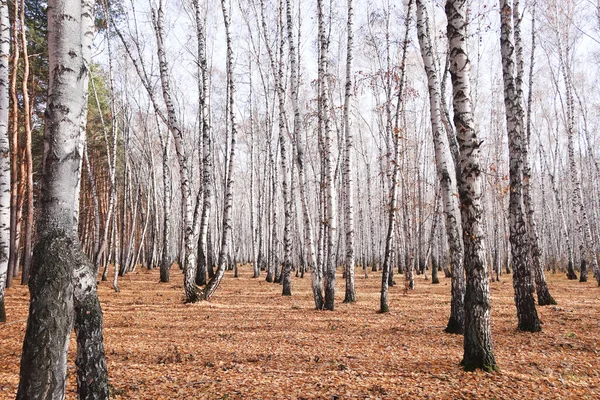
[(252, 343)]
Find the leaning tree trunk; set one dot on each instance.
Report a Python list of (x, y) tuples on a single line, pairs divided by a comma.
[(478, 348), (535, 245), (57, 251), (189, 268), (4, 154), (519, 241), (445, 173)]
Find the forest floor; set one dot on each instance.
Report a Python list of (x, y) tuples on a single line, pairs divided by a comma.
[(249, 342)]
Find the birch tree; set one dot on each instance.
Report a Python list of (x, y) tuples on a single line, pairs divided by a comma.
[(54, 286), (393, 202), (526, 312), (328, 185), (224, 250), (535, 246), (445, 171), (298, 132), (4, 154), (478, 348), (350, 296)]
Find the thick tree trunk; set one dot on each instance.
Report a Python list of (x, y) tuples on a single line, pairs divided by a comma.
[(57, 252), (478, 348), (92, 373), (445, 173), (526, 312)]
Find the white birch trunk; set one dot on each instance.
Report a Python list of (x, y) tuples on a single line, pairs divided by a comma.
[(57, 252), (316, 280), (189, 269), (445, 172), (526, 312), (327, 164), (350, 295), (213, 284), (4, 154), (535, 245), (207, 167), (478, 348)]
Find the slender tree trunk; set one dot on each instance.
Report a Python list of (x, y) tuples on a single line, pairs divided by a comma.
[(350, 295), (445, 173), (207, 167), (535, 245), (582, 225), (14, 156), (28, 156), (4, 154), (393, 204), (327, 160), (189, 258), (316, 278), (478, 348), (213, 284), (526, 312)]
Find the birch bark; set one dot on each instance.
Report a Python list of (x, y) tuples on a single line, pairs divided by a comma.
[(189, 269), (478, 348), (535, 245), (316, 278), (57, 254), (5, 175), (519, 244), (350, 295), (327, 160), (445, 172), (213, 284)]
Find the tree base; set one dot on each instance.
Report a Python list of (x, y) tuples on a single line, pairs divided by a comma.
[(194, 296), (454, 327), (571, 275), (473, 365), (2, 311), (530, 325), (546, 299)]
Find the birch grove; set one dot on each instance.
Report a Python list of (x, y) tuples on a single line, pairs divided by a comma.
[(350, 141)]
